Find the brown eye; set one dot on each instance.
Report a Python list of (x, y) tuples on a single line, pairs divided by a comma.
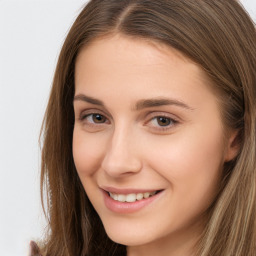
[(94, 118), (97, 118), (163, 121)]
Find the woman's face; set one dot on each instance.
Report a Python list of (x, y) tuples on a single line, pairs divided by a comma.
[(148, 131)]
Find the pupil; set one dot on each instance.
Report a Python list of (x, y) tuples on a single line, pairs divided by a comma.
[(97, 118), (163, 121)]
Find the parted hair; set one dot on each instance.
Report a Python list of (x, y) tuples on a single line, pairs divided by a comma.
[(217, 35)]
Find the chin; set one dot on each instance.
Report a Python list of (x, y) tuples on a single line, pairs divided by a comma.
[(128, 240), (128, 237)]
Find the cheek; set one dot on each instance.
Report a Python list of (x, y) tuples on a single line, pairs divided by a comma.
[(192, 163), (87, 152)]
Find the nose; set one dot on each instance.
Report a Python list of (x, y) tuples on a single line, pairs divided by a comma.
[(122, 157)]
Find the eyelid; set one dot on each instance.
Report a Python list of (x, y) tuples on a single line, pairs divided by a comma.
[(174, 119), (91, 111), (92, 122), (89, 124), (80, 108), (155, 114)]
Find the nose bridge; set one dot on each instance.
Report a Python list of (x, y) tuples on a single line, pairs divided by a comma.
[(121, 153)]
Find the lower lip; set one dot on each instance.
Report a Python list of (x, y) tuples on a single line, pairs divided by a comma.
[(125, 207)]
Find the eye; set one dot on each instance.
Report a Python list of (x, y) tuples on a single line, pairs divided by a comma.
[(98, 118), (162, 123), (95, 118)]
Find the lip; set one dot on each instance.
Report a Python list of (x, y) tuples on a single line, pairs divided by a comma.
[(127, 191), (125, 207)]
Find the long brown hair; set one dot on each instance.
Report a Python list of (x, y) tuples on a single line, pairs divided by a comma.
[(217, 35)]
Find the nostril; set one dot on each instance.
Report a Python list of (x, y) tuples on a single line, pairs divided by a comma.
[(121, 164)]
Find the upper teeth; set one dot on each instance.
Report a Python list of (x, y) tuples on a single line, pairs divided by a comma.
[(131, 197)]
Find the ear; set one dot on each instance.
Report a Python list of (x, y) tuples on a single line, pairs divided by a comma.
[(233, 146)]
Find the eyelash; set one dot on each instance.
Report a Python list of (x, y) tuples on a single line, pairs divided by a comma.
[(171, 121), (83, 118)]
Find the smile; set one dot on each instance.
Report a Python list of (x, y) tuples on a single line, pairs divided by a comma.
[(128, 201), (130, 198)]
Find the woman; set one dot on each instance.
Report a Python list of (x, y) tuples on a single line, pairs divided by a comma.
[(149, 133)]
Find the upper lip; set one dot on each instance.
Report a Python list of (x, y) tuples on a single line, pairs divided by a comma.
[(126, 191)]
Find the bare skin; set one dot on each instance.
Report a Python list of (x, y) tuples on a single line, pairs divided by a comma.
[(147, 120)]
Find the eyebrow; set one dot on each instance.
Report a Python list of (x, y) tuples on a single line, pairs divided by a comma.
[(156, 102), (82, 97), (141, 104)]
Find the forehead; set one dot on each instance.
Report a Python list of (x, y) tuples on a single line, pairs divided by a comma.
[(124, 65), (151, 49), (130, 54)]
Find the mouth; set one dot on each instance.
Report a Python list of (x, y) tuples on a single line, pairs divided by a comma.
[(129, 201), (133, 197)]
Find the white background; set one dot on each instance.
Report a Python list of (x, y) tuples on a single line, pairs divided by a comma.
[(31, 35)]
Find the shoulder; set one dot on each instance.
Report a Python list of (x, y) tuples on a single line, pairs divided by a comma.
[(34, 249)]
